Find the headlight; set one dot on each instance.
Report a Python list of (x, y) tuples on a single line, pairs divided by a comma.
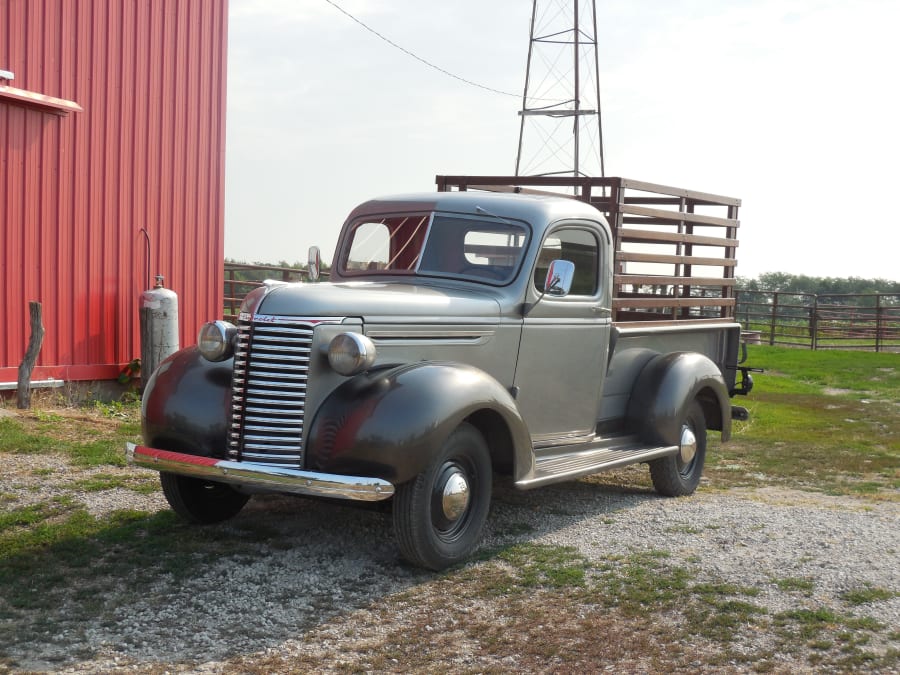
[(351, 353), (216, 340)]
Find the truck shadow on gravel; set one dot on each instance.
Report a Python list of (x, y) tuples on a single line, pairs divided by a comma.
[(151, 589)]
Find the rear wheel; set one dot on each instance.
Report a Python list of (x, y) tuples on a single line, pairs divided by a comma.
[(439, 515), (679, 474), (201, 501)]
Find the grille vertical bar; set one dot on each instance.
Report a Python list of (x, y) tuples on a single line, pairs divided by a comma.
[(271, 370)]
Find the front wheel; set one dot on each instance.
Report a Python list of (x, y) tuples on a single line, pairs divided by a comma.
[(201, 501), (679, 475), (439, 515)]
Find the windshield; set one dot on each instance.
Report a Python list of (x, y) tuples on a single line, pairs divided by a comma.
[(489, 251)]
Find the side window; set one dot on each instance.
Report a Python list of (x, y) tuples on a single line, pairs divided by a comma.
[(578, 246)]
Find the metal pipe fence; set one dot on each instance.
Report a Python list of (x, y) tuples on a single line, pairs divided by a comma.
[(868, 321), (241, 278)]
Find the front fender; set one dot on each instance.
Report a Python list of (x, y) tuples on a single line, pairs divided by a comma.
[(185, 405), (666, 387), (390, 423)]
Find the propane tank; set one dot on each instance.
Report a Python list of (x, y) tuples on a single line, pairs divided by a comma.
[(159, 327)]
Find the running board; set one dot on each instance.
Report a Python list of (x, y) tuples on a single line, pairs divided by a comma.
[(600, 455)]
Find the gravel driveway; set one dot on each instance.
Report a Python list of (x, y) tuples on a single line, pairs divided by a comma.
[(310, 588)]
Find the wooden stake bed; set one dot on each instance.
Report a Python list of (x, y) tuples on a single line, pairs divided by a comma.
[(674, 249)]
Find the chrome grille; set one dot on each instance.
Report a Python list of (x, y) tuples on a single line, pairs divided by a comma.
[(271, 366)]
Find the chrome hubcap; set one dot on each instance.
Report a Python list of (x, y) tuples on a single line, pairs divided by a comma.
[(688, 445), (455, 498)]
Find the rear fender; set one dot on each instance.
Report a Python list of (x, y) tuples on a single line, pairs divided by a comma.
[(391, 423), (666, 387)]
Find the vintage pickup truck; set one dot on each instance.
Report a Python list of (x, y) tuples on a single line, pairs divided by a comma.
[(487, 328)]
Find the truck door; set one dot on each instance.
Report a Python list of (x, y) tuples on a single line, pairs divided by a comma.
[(562, 358)]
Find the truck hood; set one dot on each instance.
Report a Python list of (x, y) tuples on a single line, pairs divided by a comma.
[(391, 302)]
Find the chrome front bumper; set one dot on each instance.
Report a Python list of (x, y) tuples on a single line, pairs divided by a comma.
[(262, 476)]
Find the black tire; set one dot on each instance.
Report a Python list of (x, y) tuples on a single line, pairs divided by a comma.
[(201, 501), (435, 529), (679, 475)]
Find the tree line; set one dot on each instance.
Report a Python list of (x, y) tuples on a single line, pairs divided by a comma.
[(801, 283)]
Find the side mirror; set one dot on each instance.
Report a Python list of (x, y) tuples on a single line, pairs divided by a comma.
[(559, 278), (315, 263)]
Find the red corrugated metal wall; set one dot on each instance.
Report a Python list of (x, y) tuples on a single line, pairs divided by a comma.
[(76, 191)]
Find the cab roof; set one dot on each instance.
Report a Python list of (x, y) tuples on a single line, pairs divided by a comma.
[(537, 210)]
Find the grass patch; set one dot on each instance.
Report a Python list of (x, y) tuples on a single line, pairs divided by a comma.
[(863, 373), (821, 420), (28, 516), (867, 594), (807, 623), (795, 585), (144, 483), (647, 581), (521, 568), (87, 438), (546, 566), (640, 581)]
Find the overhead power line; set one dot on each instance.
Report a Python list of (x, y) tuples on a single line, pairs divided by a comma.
[(416, 57)]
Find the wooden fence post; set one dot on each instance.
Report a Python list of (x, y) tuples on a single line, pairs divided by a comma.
[(23, 393)]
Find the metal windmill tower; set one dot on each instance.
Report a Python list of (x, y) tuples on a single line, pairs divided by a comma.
[(560, 129)]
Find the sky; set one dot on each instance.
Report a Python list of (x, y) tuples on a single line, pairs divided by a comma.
[(791, 105)]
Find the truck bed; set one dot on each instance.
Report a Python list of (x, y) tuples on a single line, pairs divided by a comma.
[(674, 249), (634, 344)]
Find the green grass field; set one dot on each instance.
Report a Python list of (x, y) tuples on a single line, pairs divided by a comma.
[(821, 420)]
